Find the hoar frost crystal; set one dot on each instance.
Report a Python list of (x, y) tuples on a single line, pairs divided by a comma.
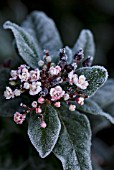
[(50, 84)]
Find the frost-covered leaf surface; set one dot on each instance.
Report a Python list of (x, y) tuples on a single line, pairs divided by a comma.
[(74, 143), (86, 42), (96, 77), (44, 140), (26, 44), (44, 30), (105, 95), (90, 107)]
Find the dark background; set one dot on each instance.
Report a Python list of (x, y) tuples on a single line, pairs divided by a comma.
[(70, 16)]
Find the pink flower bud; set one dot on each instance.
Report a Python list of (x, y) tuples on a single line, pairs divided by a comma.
[(38, 110), (80, 100), (57, 104), (19, 118), (43, 124), (72, 107), (41, 100)]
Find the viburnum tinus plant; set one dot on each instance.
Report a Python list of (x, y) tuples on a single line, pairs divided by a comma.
[(52, 90)]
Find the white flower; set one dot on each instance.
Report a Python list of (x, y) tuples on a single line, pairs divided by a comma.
[(58, 69), (56, 93), (41, 63), (70, 76), (34, 75), (13, 74), (54, 70), (26, 85), (82, 83), (72, 107), (17, 92), (35, 88), (24, 75), (8, 93), (75, 79), (48, 59), (66, 96), (34, 104)]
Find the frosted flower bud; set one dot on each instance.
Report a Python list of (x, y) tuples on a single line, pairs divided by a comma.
[(41, 100), (34, 104), (45, 67), (57, 104), (17, 92), (41, 63), (56, 93), (19, 118), (43, 124), (12, 83), (72, 107), (38, 110), (66, 96), (26, 85), (48, 59), (13, 74), (80, 100), (8, 93), (34, 75)]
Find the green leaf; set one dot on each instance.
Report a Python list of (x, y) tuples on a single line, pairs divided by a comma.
[(96, 77), (73, 145), (90, 107), (105, 95), (44, 140), (44, 30), (27, 47), (7, 107), (86, 42)]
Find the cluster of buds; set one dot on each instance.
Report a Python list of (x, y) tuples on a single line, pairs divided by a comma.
[(50, 85)]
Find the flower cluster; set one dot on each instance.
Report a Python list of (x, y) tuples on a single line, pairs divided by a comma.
[(50, 84)]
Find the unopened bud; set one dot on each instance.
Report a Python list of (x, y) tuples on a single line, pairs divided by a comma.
[(78, 56), (87, 62), (43, 124)]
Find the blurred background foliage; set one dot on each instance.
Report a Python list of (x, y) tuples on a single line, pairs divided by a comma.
[(70, 16)]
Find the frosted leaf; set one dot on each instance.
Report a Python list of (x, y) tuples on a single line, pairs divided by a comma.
[(86, 42), (44, 140), (44, 30), (96, 77), (68, 52), (73, 145), (27, 47), (7, 107), (105, 95), (93, 108)]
